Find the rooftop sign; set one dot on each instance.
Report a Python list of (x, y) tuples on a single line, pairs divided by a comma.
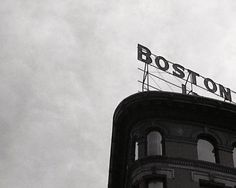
[(191, 81)]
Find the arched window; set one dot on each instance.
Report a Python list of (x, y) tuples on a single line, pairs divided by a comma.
[(206, 151), (155, 184), (154, 143)]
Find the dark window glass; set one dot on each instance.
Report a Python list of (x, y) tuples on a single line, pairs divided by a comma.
[(135, 186), (206, 151), (154, 145), (211, 184)]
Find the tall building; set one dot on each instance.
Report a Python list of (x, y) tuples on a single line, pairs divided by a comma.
[(171, 140)]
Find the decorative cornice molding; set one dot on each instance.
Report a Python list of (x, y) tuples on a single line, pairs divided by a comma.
[(160, 100), (182, 162)]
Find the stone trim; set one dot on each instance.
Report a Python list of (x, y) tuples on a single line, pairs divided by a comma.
[(152, 171)]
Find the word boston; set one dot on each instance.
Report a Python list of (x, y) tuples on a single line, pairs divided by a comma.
[(145, 55)]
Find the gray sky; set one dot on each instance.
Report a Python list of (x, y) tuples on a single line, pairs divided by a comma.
[(65, 66)]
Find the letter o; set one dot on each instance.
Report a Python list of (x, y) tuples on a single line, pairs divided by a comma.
[(206, 83), (157, 60)]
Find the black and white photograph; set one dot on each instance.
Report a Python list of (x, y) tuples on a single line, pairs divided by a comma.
[(117, 94)]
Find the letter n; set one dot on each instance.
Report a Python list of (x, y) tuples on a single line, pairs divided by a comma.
[(225, 93)]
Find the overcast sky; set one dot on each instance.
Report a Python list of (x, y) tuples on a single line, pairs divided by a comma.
[(66, 64)]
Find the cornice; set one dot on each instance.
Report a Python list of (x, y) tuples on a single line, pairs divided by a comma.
[(182, 162), (218, 112)]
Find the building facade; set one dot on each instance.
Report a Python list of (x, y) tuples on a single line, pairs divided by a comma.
[(171, 140)]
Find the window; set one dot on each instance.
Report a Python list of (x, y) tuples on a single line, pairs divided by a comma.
[(155, 184), (234, 156), (136, 151), (154, 143), (210, 184), (150, 183), (206, 151)]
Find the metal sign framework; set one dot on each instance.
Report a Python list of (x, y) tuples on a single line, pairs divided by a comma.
[(152, 77)]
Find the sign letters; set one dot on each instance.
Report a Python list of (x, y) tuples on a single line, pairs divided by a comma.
[(145, 55)]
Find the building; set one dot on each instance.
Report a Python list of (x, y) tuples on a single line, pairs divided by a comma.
[(171, 140)]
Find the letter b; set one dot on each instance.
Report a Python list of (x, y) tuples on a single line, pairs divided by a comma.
[(144, 52)]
